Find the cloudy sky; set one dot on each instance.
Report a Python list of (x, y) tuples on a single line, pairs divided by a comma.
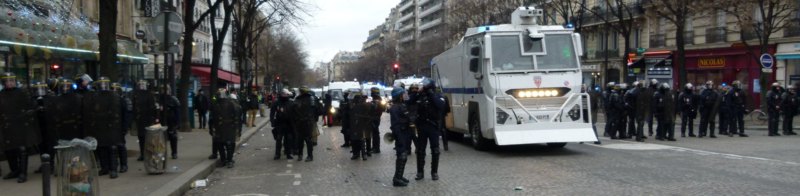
[(341, 25)]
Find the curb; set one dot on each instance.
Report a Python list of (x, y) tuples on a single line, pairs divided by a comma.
[(182, 183)]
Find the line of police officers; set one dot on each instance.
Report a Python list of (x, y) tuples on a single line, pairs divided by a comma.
[(60, 111), (627, 109)]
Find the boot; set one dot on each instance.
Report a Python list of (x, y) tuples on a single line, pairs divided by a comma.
[(114, 163), (420, 167), (364, 152), (356, 152), (123, 158), (11, 156), (229, 154), (400, 165), (435, 166), (23, 166)]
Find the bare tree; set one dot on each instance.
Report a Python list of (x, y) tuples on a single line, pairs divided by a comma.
[(464, 14), (108, 39), (617, 15), (218, 39), (186, 61), (760, 19), (677, 12)]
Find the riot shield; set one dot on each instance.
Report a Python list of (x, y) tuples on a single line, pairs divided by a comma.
[(76, 167), (155, 150)]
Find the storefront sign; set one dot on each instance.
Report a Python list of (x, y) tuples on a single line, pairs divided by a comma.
[(713, 62), (5, 49), (588, 67)]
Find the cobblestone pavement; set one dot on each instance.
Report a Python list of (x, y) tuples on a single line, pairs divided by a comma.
[(758, 165)]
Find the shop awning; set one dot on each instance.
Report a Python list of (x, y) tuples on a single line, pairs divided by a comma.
[(787, 56), (204, 73)]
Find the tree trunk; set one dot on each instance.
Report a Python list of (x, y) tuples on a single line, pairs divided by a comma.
[(625, 68), (679, 62), (186, 65), (108, 40)]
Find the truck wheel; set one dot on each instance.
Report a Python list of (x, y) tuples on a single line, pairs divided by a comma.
[(477, 140), (556, 145)]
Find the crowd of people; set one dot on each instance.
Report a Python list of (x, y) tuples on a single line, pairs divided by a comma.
[(627, 109)]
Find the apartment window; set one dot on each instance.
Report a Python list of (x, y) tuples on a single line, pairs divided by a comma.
[(614, 41), (637, 34), (721, 18), (689, 25), (758, 17)]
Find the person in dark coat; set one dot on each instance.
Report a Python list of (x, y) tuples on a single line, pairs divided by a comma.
[(145, 112), (631, 106), (789, 105), (225, 124), (327, 102), (376, 109), (305, 112), (282, 125), (649, 111), (737, 100), (430, 106), (252, 108), (201, 104), (709, 105), (773, 109), (172, 107), (724, 109), (126, 117), (361, 124), (344, 115), (614, 107), (665, 112), (401, 130), (19, 126), (102, 113), (688, 107)]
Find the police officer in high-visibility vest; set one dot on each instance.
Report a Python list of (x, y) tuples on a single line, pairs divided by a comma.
[(429, 110)]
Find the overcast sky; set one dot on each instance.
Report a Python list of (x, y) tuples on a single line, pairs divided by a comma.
[(341, 25)]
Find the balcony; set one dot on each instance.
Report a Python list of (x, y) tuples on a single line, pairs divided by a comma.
[(688, 37), (407, 27), (716, 35), (405, 5), (612, 53), (793, 29), (406, 17), (749, 34), (658, 41), (430, 9), (407, 39), (429, 24), (590, 18), (422, 2)]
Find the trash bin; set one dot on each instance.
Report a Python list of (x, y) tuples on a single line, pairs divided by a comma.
[(76, 167), (155, 150)]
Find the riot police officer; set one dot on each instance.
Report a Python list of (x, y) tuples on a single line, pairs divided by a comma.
[(665, 113), (172, 107), (609, 127), (46, 131), (709, 105), (401, 130), (282, 125), (615, 110), (344, 117), (773, 109), (144, 112), (20, 126), (724, 109), (225, 119), (631, 111), (737, 100), (83, 81), (789, 105), (413, 91), (305, 112), (686, 101), (102, 114), (648, 99), (126, 109), (361, 125), (374, 146), (430, 106)]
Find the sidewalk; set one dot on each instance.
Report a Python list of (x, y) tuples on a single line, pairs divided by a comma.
[(192, 163)]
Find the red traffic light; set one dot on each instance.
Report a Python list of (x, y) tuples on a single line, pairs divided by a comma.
[(55, 66), (277, 77), (396, 66)]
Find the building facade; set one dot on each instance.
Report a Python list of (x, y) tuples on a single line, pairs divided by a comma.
[(340, 61)]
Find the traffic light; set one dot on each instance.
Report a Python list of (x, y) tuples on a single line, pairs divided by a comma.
[(396, 68), (55, 70)]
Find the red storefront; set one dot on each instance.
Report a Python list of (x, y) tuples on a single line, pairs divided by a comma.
[(726, 65)]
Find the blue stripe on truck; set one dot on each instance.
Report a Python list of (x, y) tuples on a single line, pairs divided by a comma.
[(463, 90)]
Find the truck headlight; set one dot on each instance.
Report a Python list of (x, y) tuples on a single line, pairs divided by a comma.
[(534, 93), (333, 110), (383, 101)]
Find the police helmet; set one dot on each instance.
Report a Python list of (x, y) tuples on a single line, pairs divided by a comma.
[(81, 78), (116, 87), (611, 84), (285, 93), (104, 83), (428, 84), (636, 84), (689, 86), (791, 87), (222, 93), (304, 90), (623, 86), (709, 83), (374, 91), (66, 86), (775, 84), (9, 80), (413, 87), (142, 84), (397, 93), (736, 84), (664, 86)]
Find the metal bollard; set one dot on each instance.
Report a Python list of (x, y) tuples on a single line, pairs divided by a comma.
[(46, 174)]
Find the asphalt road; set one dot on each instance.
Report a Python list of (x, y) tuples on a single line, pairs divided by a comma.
[(757, 165)]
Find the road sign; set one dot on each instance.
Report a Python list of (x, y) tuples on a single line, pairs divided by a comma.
[(767, 61), (174, 29), (151, 7)]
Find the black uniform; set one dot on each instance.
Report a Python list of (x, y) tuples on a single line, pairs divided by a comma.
[(225, 119), (144, 114), (650, 111), (305, 112), (377, 109), (401, 129), (622, 120), (201, 104), (644, 111), (102, 116), (789, 105), (773, 111), (430, 106), (724, 112), (126, 108), (20, 130), (282, 127), (736, 100), (361, 127), (709, 105), (615, 111), (344, 112), (631, 106), (665, 114), (172, 107), (688, 107)]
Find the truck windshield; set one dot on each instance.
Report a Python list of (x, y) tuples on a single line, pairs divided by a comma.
[(507, 55), (336, 94)]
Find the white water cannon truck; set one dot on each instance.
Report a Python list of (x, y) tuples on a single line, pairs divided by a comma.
[(515, 84)]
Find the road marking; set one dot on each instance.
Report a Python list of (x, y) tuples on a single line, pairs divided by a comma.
[(629, 145), (297, 176), (296, 183), (288, 165), (251, 194), (288, 171)]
